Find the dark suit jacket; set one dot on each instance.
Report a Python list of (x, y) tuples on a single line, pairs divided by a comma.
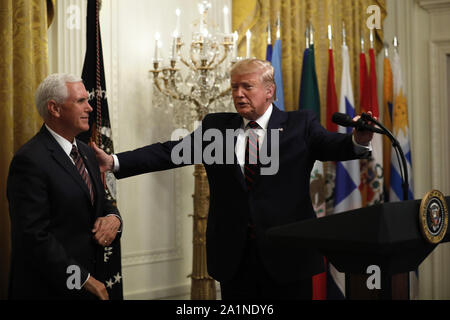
[(51, 219), (275, 200)]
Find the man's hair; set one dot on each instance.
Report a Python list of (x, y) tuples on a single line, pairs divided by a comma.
[(264, 68), (53, 88)]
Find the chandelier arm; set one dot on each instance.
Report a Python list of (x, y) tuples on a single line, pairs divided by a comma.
[(225, 55), (195, 63), (186, 63), (220, 95), (212, 60), (156, 83)]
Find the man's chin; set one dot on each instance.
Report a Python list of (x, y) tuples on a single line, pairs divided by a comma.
[(244, 111)]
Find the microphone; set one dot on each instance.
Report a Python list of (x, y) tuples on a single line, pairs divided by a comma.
[(345, 120)]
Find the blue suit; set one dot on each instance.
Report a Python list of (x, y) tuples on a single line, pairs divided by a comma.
[(274, 200)]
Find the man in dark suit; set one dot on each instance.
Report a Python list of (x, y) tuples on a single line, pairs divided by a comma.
[(60, 218), (248, 197)]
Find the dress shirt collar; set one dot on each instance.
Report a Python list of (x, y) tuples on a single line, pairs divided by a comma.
[(65, 144), (262, 121)]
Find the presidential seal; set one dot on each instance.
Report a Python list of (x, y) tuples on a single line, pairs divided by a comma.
[(433, 216)]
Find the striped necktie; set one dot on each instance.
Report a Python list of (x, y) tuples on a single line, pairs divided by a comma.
[(251, 166), (82, 170)]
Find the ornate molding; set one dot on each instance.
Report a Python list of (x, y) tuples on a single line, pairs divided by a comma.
[(434, 5), (439, 50)]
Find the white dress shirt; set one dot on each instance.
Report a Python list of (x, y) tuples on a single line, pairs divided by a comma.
[(241, 140), (65, 144)]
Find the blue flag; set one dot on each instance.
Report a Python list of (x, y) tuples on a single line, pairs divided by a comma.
[(276, 63), (269, 52)]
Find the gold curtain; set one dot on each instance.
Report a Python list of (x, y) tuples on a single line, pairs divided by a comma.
[(294, 15), (23, 65)]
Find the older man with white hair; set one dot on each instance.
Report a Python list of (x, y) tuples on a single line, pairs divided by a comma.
[(60, 217)]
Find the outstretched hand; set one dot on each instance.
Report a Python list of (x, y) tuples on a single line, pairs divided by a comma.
[(105, 161), (363, 137)]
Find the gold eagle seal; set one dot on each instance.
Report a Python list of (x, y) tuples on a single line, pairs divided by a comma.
[(433, 216)]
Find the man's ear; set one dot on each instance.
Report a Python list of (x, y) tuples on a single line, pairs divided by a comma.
[(270, 91), (54, 109)]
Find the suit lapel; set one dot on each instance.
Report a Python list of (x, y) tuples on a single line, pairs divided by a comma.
[(276, 122), (63, 160), (91, 169)]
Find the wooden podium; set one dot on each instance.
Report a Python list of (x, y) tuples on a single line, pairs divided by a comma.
[(386, 235)]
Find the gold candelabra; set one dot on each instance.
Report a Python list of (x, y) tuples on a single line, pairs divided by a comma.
[(205, 88)]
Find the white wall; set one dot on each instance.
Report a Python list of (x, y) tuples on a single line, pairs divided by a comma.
[(157, 236), (424, 35)]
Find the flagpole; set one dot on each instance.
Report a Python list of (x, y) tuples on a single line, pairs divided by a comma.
[(330, 38), (311, 34), (371, 38), (395, 43), (362, 43), (307, 37), (344, 35), (278, 27)]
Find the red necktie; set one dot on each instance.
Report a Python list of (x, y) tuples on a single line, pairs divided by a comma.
[(251, 166), (82, 170)]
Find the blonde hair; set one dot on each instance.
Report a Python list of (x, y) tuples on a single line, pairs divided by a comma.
[(252, 65)]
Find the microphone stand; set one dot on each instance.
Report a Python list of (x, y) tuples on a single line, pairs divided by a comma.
[(398, 148)]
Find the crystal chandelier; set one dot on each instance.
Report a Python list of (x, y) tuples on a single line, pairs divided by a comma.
[(197, 83), (189, 87)]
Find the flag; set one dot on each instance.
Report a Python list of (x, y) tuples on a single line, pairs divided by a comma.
[(401, 133), (331, 290), (309, 99), (269, 50), (332, 107), (400, 130), (278, 74), (347, 173), (109, 268), (364, 85), (364, 100), (388, 98), (371, 186), (375, 173), (347, 195)]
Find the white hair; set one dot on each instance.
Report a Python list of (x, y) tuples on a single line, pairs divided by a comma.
[(53, 88)]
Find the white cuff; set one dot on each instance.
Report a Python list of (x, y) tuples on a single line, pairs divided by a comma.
[(116, 165), (359, 148), (86, 280)]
